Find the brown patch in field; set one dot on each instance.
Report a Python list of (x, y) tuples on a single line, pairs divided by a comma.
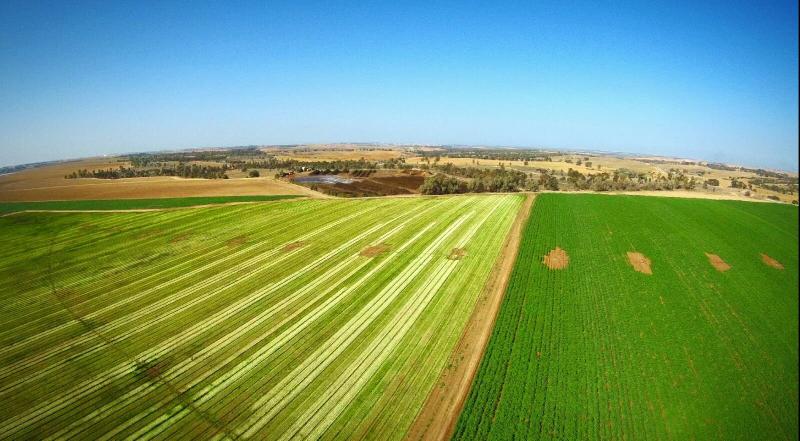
[(236, 241), (293, 246), (556, 259), (718, 263), (457, 254), (639, 262), (771, 262), (179, 238), (375, 250)]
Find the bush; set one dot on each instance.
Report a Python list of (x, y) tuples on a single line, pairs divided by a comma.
[(253, 174)]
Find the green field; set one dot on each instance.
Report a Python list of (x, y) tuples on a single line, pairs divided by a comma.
[(133, 204), (599, 351), (262, 321)]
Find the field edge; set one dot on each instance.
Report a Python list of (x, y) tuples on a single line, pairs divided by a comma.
[(439, 414)]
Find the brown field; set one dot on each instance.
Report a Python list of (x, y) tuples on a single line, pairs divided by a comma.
[(48, 183), (378, 184)]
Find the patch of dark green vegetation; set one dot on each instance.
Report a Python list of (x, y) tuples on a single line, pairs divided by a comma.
[(133, 204)]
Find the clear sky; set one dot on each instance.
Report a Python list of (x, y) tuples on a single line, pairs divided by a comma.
[(706, 80)]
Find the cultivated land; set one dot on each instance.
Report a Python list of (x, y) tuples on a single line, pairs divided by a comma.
[(48, 183), (668, 319), (311, 318), (132, 204)]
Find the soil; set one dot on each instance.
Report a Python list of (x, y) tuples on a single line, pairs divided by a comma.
[(179, 238), (639, 262), (375, 250), (380, 183), (438, 416), (293, 246), (457, 254), (556, 259), (236, 241), (717, 262), (771, 262)]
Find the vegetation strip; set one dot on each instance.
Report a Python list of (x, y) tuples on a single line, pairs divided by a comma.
[(133, 204), (203, 350), (437, 418)]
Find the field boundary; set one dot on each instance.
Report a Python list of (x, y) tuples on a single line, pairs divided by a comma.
[(438, 416), (147, 205)]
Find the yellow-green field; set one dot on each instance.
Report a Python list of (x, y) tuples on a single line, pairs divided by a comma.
[(310, 318)]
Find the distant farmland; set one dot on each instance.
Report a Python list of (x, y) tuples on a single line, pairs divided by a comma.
[(629, 317), (301, 318)]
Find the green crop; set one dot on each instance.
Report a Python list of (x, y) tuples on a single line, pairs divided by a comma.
[(134, 204), (310, 318)]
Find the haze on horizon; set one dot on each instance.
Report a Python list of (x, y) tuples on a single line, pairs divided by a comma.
[(716, 82)]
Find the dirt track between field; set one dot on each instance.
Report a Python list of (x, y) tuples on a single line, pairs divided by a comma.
[(438, 417)]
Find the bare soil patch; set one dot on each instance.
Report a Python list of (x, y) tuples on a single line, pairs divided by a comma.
[(375, 250), (639, 262), (717, 262), (438, 416), (293, 246), (556, 259), (771, 262), (179, 238), (457, 254), (236, 241)]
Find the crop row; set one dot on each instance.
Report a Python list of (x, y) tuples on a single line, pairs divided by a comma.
[(244, 318)]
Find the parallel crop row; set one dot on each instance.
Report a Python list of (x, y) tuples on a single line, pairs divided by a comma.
[(597, 350), (264, 321)]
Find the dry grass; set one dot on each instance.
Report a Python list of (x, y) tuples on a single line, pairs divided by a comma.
[(48, 183)]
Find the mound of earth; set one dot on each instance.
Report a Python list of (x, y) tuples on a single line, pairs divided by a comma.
[(639, 262), (236, 241), (717, 262), (457, 254), (375, 250), (771, 262), (556, 259), (293, 246)]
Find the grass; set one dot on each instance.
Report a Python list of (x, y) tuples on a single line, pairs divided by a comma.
[(599, 351), (131, 204), (260, 321)]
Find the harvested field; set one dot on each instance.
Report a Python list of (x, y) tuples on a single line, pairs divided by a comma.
[(602, 352), (153, 341), (639, 262), (717, 262), (48, 183), (556, 259), (771, 262)]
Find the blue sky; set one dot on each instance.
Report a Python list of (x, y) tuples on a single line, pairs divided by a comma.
[(710, 80)]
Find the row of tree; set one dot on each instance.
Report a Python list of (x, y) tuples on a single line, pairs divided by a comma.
[(179, 170)]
